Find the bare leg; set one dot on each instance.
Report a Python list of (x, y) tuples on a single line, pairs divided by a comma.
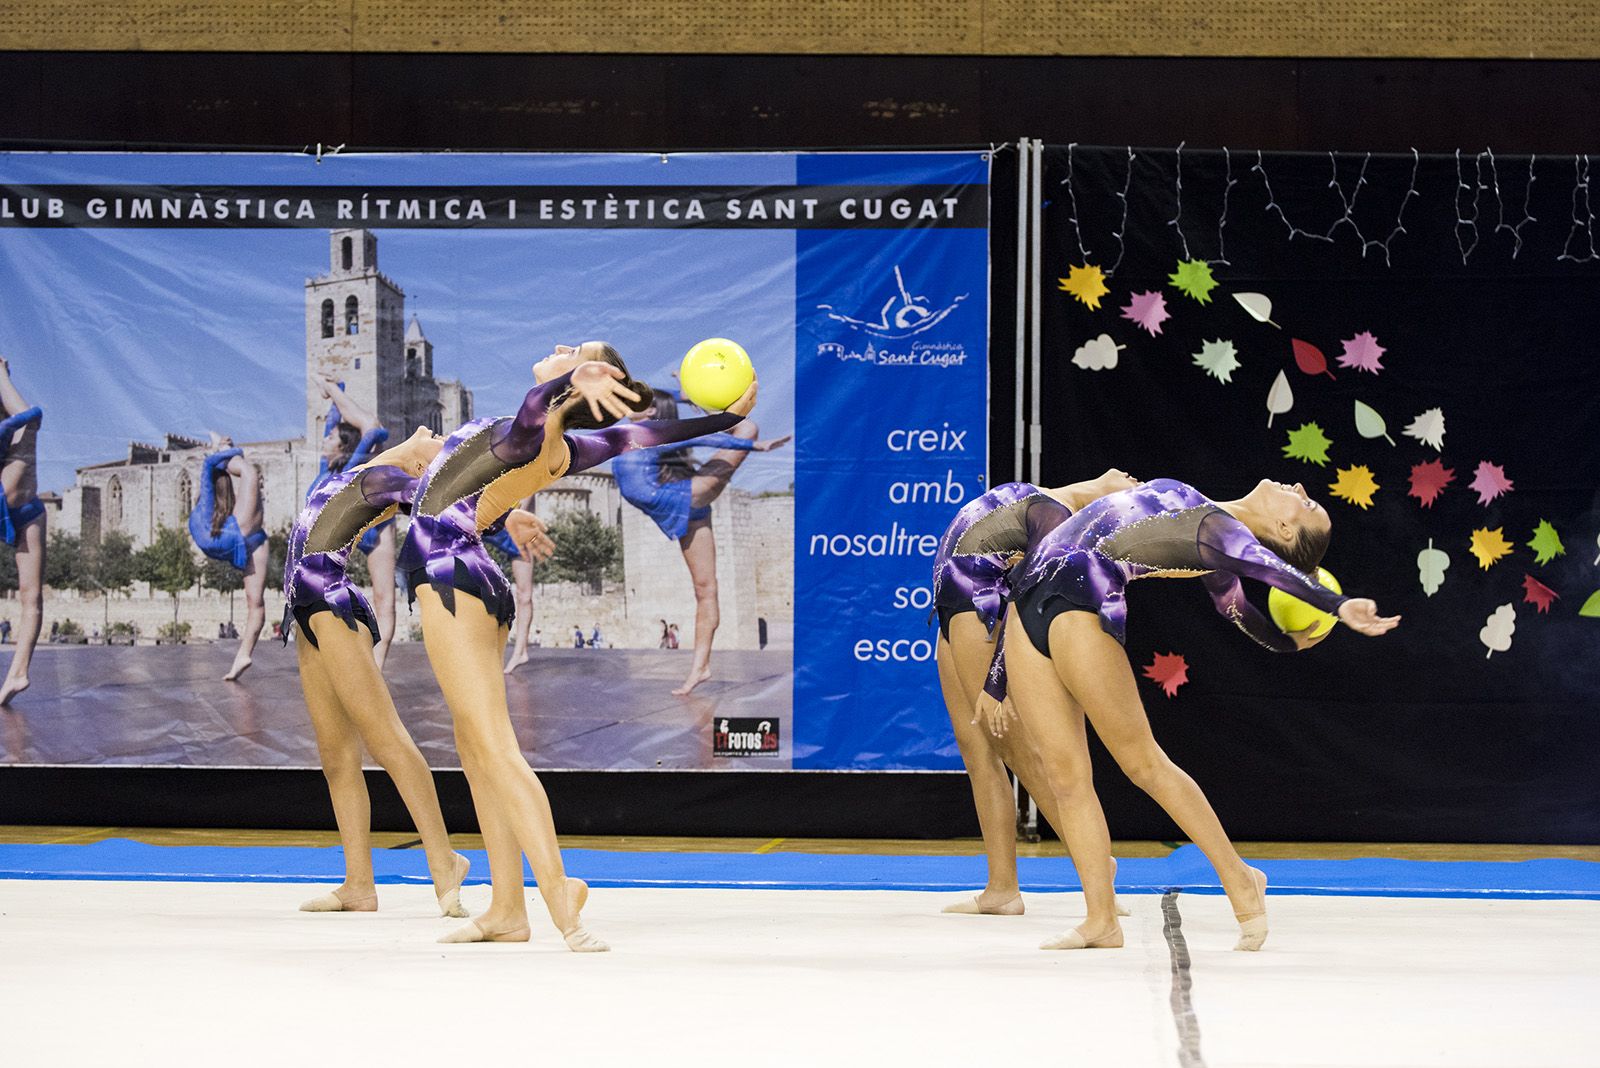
[(991, 788), (522, 576), (715, 473), (700, 553), (339, 748), (30, 592), (464, 649), (255, 614), (365, 705), (380, 566), (1055, 722), (1094, 667)]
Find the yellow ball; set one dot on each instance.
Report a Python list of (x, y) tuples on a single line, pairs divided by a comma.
[(715, 373), (1291, 613)]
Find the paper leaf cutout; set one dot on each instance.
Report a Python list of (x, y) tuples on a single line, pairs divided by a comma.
[(1363, 353), (1309, 358), (1537, 593), (1489, 546), (1428, 428), (1087, 283), (1496, 633), (1308, 443), (1597, 542), (1280, 398), (1369, 424), (1148, 309), (1169, 670), (1428, 480), (1591, 607), (1354, 485), (1431, 565), (1546, 543), (1258, 305), (1100, 354), (1219, 358), (1490, 482), (1193, 279)]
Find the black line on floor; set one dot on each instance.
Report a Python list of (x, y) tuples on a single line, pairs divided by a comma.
[(1183, 1017), (408, 845)]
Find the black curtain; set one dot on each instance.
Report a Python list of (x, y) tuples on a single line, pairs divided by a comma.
[(1484, 293)]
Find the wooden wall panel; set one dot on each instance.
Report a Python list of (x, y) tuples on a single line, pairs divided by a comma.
[(1551, 29)]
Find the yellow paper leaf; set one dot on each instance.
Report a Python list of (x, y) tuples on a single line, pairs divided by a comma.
[(1087, 283), (1355, 485), (1489, 546)]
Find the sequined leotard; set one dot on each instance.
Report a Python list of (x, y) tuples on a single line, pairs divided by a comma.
[(485, 468), (1159, 528), (969, 574), (365, 450), (341, 509)]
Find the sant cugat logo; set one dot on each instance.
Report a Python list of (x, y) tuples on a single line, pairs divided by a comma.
[(904, 314), (745, 737)]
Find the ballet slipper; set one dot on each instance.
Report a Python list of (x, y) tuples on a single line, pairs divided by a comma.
[(976, 907), (472, 932), (332, 902), (450, 901), (1074, 939), (1253, 925), (579, 940)]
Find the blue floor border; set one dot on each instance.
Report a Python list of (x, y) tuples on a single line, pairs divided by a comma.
[(1185, 869)]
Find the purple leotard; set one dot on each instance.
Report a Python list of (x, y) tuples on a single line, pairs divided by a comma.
[(340, 510), (969, 575), (1163, 527), (444, 546)]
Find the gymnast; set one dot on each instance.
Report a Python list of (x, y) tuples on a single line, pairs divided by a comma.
[(350, 436), (484, 468), (522, 584), (345, 693), (1067, 663), (665, 485), (968, 596), (229, 505), (22, 523)]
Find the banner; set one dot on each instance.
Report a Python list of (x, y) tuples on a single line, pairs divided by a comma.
[(160, 307), (1412, 339)]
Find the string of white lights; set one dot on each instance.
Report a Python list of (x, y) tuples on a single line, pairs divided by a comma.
[(1176, 222), (1122, 246), (1348, 201), (1072, 199), (1273, 205), (1229, 181), (1584, 222), (1462, 222)]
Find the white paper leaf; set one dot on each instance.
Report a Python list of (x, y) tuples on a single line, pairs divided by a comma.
[(1219, 358), (1496, 633), (1369, 424), (1431, 565), (1099, 354), (1258, 305), (1428, 428), (1280, 398)]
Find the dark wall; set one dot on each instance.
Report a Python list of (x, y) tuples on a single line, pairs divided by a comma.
[(650, 101)]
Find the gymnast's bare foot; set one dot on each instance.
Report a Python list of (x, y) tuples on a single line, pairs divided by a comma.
[(11, 688), (579, 940), (241, 664), (695, 678), (344, 898), (516, 660)]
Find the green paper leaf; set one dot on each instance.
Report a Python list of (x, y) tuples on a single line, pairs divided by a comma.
[(1219, 358), (1591, 607), (1193, 279), (1546, 543), (1369, 424), (1308, 443)]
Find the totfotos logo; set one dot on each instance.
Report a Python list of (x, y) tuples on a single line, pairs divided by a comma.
[(744, 737), (904, 314)]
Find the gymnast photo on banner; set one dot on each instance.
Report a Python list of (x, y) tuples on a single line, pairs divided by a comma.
[(226, 525)]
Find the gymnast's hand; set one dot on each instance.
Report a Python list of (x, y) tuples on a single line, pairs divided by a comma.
[(1361, 614), (744, 404), (528, 532), (772, 443), (599, 384)]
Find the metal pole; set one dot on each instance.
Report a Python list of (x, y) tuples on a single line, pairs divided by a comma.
[(1036, 428), (1021, 350)]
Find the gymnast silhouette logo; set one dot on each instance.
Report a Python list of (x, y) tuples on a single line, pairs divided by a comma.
[(904, 314)]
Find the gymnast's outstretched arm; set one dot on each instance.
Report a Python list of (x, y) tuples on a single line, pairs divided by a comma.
[(592, 447), (1231, 553)]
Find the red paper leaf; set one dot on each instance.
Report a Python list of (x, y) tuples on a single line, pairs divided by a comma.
[(1429, 480), (1490, 481), (1170, 670), (1310, 359), (1537, 593)]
